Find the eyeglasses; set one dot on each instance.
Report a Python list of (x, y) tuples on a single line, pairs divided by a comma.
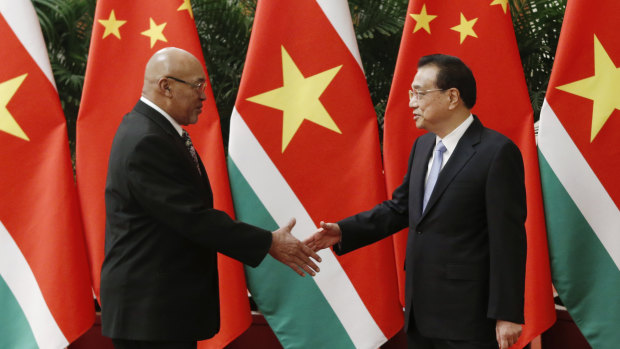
[(201, 86), (421, 93)]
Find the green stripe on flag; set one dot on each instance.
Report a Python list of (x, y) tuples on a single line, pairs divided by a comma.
[(15, 331), (280, 305), (584, 274)]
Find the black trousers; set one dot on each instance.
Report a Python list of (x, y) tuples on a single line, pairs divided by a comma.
[(132, 344), (416, 341)]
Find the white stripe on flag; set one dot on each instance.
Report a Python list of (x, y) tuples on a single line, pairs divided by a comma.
[(339, 14), (580, 181), (17, 274), (23, 20), (282, 203)]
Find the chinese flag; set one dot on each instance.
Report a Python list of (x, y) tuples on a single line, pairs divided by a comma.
[(125, 35), (479, 32), (45, 295), (579, 144), (304, 143)]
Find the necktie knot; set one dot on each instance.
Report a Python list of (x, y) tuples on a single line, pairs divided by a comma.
[(440, 147)]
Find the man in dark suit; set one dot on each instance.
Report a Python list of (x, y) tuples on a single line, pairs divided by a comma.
[(463, 199), (159, 281)]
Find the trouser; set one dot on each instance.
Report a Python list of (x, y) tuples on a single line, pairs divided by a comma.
[(133, 344), (416, 341)]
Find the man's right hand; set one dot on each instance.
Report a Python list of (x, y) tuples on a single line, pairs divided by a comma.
[(328, 235), (290, 251)]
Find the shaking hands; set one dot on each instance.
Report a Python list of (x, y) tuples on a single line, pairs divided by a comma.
[(326, 236), (297, 255), (292, 252)]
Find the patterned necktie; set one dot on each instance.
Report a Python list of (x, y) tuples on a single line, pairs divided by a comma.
[(192, 150), (435, 169)]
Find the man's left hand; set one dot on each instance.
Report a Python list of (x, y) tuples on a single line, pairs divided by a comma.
[(507, 333)]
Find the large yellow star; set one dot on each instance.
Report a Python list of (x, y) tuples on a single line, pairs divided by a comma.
[(422, 20), (155, 32), (602, 88), (504, 4), (7, 122), (186, 5), (299, 98), (111, 25), (466, 28)]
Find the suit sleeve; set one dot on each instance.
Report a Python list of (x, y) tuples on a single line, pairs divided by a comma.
[(162, 184), (506, 213), (383, 220)]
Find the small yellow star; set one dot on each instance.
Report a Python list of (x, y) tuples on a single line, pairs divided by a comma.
[(466, 28), (299, 98), (111, 25), (602, 88), (7, 122), (422, 20), (504, 4), (155, 32), (186, 5)]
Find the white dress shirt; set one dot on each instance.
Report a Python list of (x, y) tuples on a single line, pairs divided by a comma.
[(174, 123), (450, 141)]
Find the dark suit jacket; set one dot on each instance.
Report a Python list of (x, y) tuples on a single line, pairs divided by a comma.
[(159, 277), (465, 261)]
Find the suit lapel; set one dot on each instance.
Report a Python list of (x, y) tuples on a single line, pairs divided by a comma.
[(156, 117), (167, 127), (464, 150)]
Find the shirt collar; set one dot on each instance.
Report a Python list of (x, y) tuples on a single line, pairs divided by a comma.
[(451, 140), (174, 123)]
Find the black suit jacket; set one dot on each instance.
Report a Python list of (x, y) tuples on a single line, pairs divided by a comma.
[(159, 277), (465, 260)]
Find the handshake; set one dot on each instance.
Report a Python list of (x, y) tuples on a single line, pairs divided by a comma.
[(299, 255)]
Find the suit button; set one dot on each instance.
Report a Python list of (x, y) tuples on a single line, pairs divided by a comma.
[(419, 233)]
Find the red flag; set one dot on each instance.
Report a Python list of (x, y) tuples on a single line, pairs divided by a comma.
[(481, 34), (44, 283), (125, 35)]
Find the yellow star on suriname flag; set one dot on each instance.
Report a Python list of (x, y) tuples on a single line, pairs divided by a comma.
[(111, 25), (299, 98), (422, 20), (503, 3), (186, 5), (466, 28), (155, 32), (602, 88), (7, 122)]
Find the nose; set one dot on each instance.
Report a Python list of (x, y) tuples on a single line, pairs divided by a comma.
[(413, 102)]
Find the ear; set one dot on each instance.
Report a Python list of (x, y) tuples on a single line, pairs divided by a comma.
[(454, 97), (164, 87)]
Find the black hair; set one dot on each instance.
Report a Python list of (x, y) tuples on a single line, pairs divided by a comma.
[(452, 72)]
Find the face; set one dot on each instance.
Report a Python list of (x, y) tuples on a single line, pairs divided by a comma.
[(186, 103), (429, 108)]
